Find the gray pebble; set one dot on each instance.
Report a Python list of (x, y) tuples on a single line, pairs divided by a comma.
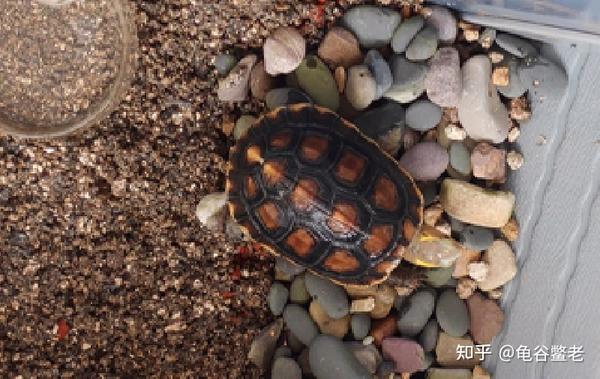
[(460, 158), (444, 79), (224, 63), (380, 120), (456, 225), (368, 355), (445, 23), (424, 45), (263, 346), (515, 45), (330, 296), (298, 292), (300, 323), (429, 336), (423, 115), (542, 78), (277, 298), (294, 342), (452, 314), (282, 351), (515, 87), (476, 237), (399, 302), (372, 25), (330, 358), (279, 97), (418, 310), (405, 33), (425, 161), (381, 72), (304, 363), (288, 267), (361, 325), (386, 369), (242, 125), (409, 80), (438, 277), (429, 191), (285, 368), (428, 360)]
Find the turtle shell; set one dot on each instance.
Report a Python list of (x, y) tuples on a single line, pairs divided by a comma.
[(313, 189)]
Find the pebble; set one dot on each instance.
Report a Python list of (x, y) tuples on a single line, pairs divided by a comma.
[(298, 291), (279, 97), (224, 63), (478, 270), (317, 81), (361, 87), (451, 313), (416, 313), (405, 33), (287, 269), (381, 72), (385, 370), (303, 361), (449, 373), (425, 161), (432, 248), (480, 110), (373, 26), (263, 346), (362, 305), (465, 288), (407, 355), (423, 115), (330, 358), (409, 80), (510, 231), (444, 79), (382, 329), (340, 48), (476, 238), (543, 78), (487, 38), (460, 158), (282, 351), (475, 205), (294, 342), (456, 225), (286, 368), (340, 78), (515, 45), (360, 324), (384, 301), (461, 266), (300, 324), (283, 51), (211, 211), (242, 125), (380, 120), (502, 266), (514, 160), (260, 82), (515, 87), (367, 355), (429, 336), (330, 296), (429, 191), (424, 45), (327, 325), (447, 352), (438, 277), (480, 373), (277, 298), (445, 23), (410, 138), (488, 162), (235, 86)]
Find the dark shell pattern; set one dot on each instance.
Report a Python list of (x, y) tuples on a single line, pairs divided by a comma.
[(312, 188)]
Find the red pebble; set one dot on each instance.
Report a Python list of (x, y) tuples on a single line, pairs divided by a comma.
[(63, 329)]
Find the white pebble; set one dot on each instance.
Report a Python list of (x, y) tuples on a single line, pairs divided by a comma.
[(515, 160)]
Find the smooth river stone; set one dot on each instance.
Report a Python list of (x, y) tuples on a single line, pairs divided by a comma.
[(236, 85), (515, 45), (502, 266), (416, 312), (445, 23), (424, 45), (409, 80), (475, 205), (407, 30), (372, 25), (425, 161), (543, 78), (487, 318), (451, 313), (515, 87), (330, 358), (444, 79), (283, 51), (317, 81), (330, 296), (381, 72), (263, 345), (361, 87), (480, 110), (340, 48), (301, 325), (380, 120), (423, 115), (285, 368)]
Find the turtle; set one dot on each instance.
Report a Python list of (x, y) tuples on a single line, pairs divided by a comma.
[(310, 187)]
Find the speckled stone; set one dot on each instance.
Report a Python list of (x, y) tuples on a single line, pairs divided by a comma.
[(405, 33), (407, 355), (260, 82), (372, 25), (444, 79)]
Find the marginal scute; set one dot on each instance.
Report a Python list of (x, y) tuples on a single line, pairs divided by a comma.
[(313, 148), (409, 230), (269, 215), (385, 194), (301, 242), (351, 166), (341, 261)]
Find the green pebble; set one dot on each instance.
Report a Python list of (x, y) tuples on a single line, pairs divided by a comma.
[(316, 80)]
